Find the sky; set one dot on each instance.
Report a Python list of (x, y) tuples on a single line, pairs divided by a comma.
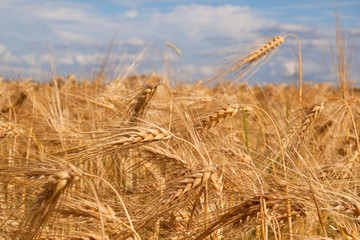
[(41, 38)]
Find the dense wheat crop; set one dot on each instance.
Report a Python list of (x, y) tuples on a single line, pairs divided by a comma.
[(139, 158)]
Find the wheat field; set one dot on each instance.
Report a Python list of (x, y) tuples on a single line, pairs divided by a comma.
[(141, 158)]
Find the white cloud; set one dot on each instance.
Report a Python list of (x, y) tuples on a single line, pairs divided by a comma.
[(199, 71), (2, 49), (206, 70), (86, 59), (8, 57), (62, 14), (71, 36), (197, 22), (44, 58), (67, 60), (355, 31), (29, 59), (77, 33), (130, 14), (135, 41), (319, 43), (291, 68), (288, 27), (54, 21)]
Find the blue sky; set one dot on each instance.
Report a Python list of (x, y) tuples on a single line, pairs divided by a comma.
[(75, 36)]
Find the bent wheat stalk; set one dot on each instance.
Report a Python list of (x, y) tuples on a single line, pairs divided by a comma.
[(300, 67), (271, 45), (347, 104), (136, 235), (244, 64), (288, 205)]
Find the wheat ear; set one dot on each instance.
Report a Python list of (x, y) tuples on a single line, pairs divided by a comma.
[(183, 187), (126, 139), (243, 214), (45, 204), (276, 42), (220, 116), (250, 60), (238, 154), (271, 45), (142, 101), (142, 136), (264, 49), (301, 128), (9, 130), (166, 155), (189, 183)]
